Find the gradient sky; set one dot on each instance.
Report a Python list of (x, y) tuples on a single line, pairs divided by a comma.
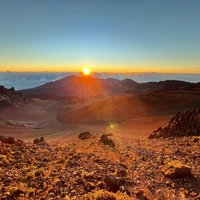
[(106, 35)]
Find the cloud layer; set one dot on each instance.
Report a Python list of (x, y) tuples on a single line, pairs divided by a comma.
[(30, 80)]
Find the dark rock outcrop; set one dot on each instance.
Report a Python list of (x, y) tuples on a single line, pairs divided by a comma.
[(114, 183), (10, 96), (186, 123), (106, 140), (8, 140), (85, 135), (40, 142)]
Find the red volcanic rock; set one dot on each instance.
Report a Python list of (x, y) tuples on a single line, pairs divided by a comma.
[(8, 140), (182, 124), (113, 182), (85, 135), (10, 96), (40, 142), (175, 169), (106, 140)]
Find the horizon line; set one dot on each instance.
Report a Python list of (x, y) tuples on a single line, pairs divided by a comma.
[(108, 72)]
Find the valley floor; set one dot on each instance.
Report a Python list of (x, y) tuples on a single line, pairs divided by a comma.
[(38, 118)]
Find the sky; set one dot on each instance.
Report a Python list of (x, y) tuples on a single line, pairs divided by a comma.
[(104, 35)]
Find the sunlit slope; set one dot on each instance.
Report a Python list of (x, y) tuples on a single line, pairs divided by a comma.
[(119, 109), (76, 86), (86, 87)]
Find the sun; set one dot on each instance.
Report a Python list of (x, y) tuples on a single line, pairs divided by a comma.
[(86, 71)]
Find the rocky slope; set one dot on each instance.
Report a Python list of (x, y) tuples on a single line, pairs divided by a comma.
[(10, 96), (89, 168), (186, 123)]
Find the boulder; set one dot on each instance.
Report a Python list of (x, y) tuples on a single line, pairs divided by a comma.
[(8, 140), (85, 135), (175, 169), (114, 182), (106, 140), (40, 142)]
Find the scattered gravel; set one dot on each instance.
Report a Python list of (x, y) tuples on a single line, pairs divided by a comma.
[(82, 169)]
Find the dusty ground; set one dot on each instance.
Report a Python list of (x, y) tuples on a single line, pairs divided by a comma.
[(79, 167), (39, 118), (70, 168)]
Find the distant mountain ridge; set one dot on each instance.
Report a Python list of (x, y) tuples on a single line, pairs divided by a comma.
[(22, 81), (90, 87)]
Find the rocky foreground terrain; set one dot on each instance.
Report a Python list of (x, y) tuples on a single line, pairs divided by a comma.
[(100, 167)]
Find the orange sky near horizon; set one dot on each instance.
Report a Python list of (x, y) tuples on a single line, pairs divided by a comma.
[(111, 69)]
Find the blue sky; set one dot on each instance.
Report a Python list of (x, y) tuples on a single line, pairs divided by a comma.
[(106, 35)]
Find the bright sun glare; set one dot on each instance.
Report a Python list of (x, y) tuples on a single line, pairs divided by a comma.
[(86, 71)]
